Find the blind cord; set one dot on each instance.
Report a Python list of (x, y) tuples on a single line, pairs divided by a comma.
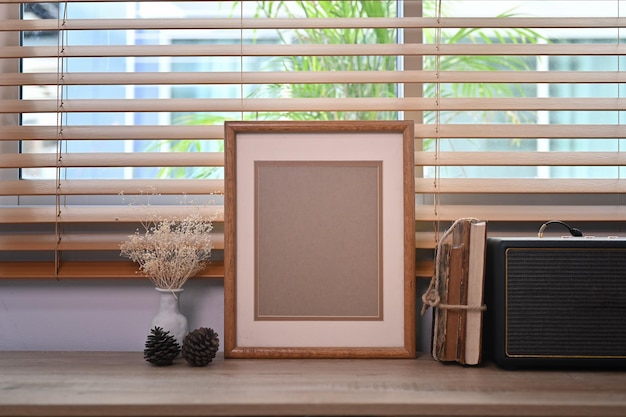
[(61, 90), (241, 62), (619, 113), (437, 173)]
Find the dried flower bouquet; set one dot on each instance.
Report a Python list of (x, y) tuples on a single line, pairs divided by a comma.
[(169, 252)]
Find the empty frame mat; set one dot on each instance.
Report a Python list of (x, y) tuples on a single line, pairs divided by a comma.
[(318, 252), (319, 240)]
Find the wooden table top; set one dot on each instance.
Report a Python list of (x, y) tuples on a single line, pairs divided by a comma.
[(123, 384)]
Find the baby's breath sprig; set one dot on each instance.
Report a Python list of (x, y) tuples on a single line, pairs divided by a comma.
[(171, 251)]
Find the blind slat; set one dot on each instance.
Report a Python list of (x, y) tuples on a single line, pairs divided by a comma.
[(522, 213), (519, 185), (531, 131), (113, 214), (112, 132), (208, 186), (306, 77), (520, 158), (312, 104), (520, 131), (112, 187), (89, 270), (314, 23), (184, 159), (98, 51), (77, 242), (121, 214), (105, 159)]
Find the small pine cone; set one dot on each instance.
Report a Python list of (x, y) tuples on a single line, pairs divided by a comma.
[(161, 347), (200, 346)]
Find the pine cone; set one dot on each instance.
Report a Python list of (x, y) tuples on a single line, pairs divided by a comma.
[(200, 346), (161, 347)]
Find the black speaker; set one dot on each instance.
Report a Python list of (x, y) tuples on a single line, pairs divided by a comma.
[(556, 302)]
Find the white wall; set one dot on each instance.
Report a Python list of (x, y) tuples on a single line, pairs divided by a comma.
[(113, 315), (84, 315)]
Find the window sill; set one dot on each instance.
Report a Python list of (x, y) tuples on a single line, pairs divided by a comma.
[(122, 269)]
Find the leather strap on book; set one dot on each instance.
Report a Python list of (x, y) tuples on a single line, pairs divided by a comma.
[(431, 298)]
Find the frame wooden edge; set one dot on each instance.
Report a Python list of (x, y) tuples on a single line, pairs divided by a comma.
[(231, 350), (231, 128), (410, 332), (320, 353), (230, 192)]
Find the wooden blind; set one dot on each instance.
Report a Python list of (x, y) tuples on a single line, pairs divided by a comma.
[(527, 120), (517, 111)]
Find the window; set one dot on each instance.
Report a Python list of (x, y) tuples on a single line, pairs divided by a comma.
[(537, 140), (517, 108)]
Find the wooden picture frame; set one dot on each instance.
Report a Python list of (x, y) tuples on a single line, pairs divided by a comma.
[(319, 239)]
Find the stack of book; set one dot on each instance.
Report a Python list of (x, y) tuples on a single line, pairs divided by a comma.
[(459, 287)]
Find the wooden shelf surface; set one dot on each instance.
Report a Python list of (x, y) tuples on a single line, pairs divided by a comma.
[(123, 384)]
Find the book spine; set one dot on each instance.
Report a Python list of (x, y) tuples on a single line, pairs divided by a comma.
[(461, 238), (440, 317), (453, 325), (475, 289)]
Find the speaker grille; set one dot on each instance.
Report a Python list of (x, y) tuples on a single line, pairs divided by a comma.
[(566, 302)]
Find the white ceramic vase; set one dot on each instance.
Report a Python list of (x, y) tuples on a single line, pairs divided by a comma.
[(169, 317)]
